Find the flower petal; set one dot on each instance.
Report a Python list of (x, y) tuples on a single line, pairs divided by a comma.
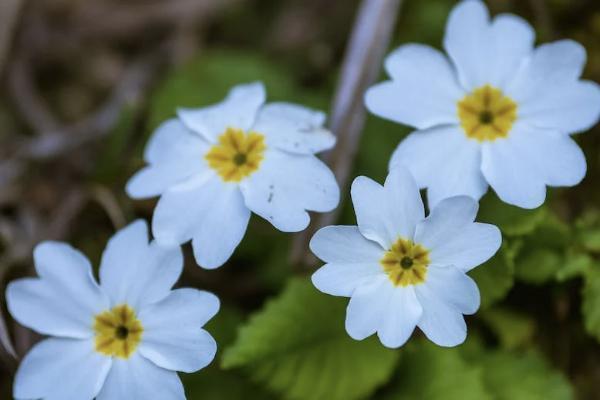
[(136, 272), (367, 307), (551, 65), (174, 153), (65, 298), (173, 338), (412, 97), (400, 317), (61, 369), (181, 209), (569, 108), (138, 378), (286, 185), (453, 287), (294, 128), (344, 244), (238, 110), (453, 239), (221, 229), (444, 161), (386, 213), (467, 40), (519, 167), (441, 322), (511, 41)]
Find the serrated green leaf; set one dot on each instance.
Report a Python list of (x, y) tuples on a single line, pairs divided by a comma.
[(496, 277), (523, 377), (513, 330), (297, 346), (512, 221), (590, 306), (429, 372)]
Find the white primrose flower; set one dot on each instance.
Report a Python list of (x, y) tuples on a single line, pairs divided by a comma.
[(401, 269), (497, 112), (121, 339), (213, 166)]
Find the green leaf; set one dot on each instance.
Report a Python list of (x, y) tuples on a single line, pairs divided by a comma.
[(297, 347), (590, 306), (512, 221), (538, 266), (428, 372), (524, 377), (575, 264), (514, 330), (496, 277)]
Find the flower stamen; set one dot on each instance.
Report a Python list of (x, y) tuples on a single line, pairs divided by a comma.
[(406, 263), (487, 114), (118, 332), (237, 154)]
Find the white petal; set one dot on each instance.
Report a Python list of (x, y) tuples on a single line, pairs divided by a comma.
[(344, 244), (173, 338), (386, 213), (221, 228), (413, 97), (467, 40), (136, 272), (400, 317), (341, 279), (519, 167), (511, 41), (367, 307), (139, 379), (454, 287), (294, 128), (444, 161), (286, 185), (65, 298), (568, 108), (238, 110), (472, 246), (453, 239), (551, 65), (441, 322), (181, 209), (61, 369)]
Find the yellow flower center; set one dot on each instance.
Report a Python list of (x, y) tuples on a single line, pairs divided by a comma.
[(237, 154), (118, 331), (487, 114), (406, 263)]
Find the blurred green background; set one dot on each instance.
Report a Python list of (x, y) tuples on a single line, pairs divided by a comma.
[(84, 85)]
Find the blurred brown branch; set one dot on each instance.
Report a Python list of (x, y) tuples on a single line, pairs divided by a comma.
[(368, 43)]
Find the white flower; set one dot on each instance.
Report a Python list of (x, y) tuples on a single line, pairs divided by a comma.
[(122, 339), (214, 165), (498, 112), (401, 269)]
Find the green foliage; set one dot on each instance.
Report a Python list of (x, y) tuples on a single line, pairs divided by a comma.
[(527, 376), (496, 277), (429, 372), (590, 306), (513, 330), (512, 221), (297, 346), (539, 266), (207, 79)]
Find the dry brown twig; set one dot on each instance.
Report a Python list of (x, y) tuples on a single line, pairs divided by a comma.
[(369, 40)]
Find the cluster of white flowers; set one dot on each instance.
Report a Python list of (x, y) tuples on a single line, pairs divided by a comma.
[(497, 112)]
